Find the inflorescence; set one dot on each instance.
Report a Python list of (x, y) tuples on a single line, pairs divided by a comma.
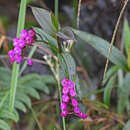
[(26, 38), (69, 93)]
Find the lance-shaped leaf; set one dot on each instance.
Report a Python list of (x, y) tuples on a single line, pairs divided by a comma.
[(103, 46), (123, 94), (4, 125), (110, 72), (108, 90), (44, 18), (126, 35), (71, 66), (127, 126)]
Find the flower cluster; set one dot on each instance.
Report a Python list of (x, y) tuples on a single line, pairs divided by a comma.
[(69, 94), (26, 38)]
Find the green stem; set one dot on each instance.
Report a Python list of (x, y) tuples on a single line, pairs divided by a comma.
[(56, 9), (57, 77), (29, 56), (15, 71), (35, 118), (63, 118), (75, 12)]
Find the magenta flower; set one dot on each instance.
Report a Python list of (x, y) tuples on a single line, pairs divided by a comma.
[(73, 93), (12, 60), (18, 50), (15, 41), (63, 106), (74, 102), (64, 113), (65, 98), (29, 40), (18, 59), (24, 33), (64, 82), (11, 53), (65, 90), (71, 84), (29, 61), (31, 33), (26, 37), (76, 110), (82, 115), (21, 43)]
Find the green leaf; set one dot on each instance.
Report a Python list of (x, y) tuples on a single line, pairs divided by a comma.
[(52, 42), (102, 46), (4, 125), (28, 78), (55, 22), (5, 76), (66, 34), (37, 84), (28, 90), (19, 105), (47, 79), (128, 106), (108, 90), (78, 87), (123, 93), (126, 35), (24, 98), (110, 72), (30, 1), (126, 87), (16, 114), (63, 67), (71, 66), (127, 126), (5, 114), (4, 99), (44, 19), (40, 39)]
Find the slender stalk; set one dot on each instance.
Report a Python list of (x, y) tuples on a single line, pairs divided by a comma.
[(114, 36), (76, 18), (57, 75), (15, 72), (57, 8), (60, 94), (75, 12), (78, 15), (36, 119), (29, 56)]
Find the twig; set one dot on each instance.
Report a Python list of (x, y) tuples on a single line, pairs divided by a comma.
[(113, 37), (44, 101), (46, 50), (109, 114), (36, 60)]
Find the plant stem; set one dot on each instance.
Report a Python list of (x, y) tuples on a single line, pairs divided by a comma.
[(56, 9), (59, 87), (15, 71), (29, 56), (78, 15), (35, 118), (75, 12), (57, 75)]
